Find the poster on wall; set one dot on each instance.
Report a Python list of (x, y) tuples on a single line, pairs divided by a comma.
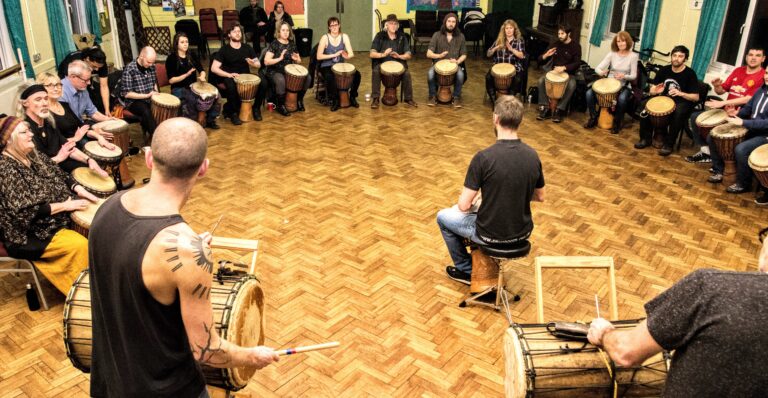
[(103, 9), (155, 3), (432, 5), (179, 8)]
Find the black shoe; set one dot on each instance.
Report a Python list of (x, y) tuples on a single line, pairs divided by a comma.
[(615, 130), (335, 106), (591, 122), (558, 116), (699, 157), (458, 276), (236, 120), (544, 113), (300, 106), (763, 200), (642, 144), (375, 103), (282, 110), (736, 188), (212, 125), (665, 151), (715, 178), (257, 115), (353, 102)]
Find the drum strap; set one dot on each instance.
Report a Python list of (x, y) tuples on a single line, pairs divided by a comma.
[(611, 370)]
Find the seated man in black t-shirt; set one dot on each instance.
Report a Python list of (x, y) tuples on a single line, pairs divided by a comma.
[(510, 176), (390, 45), (715, 321), (681, 84), (233, 59), (97, 60)]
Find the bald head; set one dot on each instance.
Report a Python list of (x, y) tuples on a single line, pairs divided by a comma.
[(179, 146), (147, 56)]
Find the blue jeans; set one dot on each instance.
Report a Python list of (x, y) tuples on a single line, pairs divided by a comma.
[(622, 101), (742, 151), (455, 227), (697, 140), (432, 80)]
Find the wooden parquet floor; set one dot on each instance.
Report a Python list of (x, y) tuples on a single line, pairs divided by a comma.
[(344, 207)]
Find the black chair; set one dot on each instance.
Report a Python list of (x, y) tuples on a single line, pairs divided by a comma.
[(474, 31), (192, 30), (703, 97), (424, 27)]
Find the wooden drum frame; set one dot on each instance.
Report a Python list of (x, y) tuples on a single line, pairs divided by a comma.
[(503, 74), (659, 109), (726, 137), (391, 74), (206, 95), (758, 161), (344, 74), (120, 137), (555, 84), (164, 107), (606, 91), (295, 78), (247, 86), (445, 71)]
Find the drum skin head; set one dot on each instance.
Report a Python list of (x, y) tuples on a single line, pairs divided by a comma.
[(606, 85), (446, 67), (728, 131), (503, 69), (712, 117), (89, 179), (343, 67), (246, 327), (165, 99), (514, 365), (247, 78), (111, 125), (758, 159), (204, 89), (93, 147), (296, 70), (85, 217), (557, 77), (660, 105), (392, 68)]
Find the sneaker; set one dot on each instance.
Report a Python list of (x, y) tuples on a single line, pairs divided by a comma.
[(558, 116), (763, 200), (736, 188), (375, 103), (699, 157), (432, 101), (642, 144), (458, 276), (715, 178), (544, 113), (665, 151), (457, 102)]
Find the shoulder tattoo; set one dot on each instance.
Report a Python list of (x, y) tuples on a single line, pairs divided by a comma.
[(193, 251)]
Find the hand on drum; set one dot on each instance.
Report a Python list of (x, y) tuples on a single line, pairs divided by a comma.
[(64, 152), (83, 193), (731, 110), (395, 55), (262, 356), (104, 143), (296, 57), (618, 75), (152, 94), (109, 136), (443, 54), (714, 104), (597, 330), (74, 204), (559, 69), (387, 52), (735, 120), (96, 168)]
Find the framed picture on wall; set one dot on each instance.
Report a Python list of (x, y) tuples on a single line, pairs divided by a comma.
[(103, 9), (155, 3)]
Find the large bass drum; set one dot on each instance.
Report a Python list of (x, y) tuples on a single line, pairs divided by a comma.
[(238, 311)]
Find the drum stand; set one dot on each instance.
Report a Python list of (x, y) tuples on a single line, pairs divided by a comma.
[(500, 257)]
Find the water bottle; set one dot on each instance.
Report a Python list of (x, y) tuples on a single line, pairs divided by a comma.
[(32, 301)]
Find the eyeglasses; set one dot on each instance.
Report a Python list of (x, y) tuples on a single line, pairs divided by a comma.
[(332, 25), (83, 80), (52, 85)]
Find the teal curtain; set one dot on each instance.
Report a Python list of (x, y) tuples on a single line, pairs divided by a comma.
[(710, 23), (93, 19), (12, 9), (602, 19), (61, 33), (650, 23)]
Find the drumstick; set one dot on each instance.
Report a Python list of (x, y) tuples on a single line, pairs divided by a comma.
[(597, 306), (217, 224), (296, 350)]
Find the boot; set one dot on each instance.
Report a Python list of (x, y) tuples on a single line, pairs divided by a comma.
[(300, 102), (353, 102), (257, 113), (334, 105), (280, 108), (492, 96), (592, 122)]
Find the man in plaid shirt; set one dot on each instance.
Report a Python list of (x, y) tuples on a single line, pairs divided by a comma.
[(138, 85)]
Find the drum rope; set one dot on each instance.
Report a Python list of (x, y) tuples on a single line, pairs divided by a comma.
[(611, 370), (505, 301)]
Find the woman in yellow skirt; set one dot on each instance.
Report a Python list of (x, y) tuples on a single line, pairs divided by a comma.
[(35, 201)]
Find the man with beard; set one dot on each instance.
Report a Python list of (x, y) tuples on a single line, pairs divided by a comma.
[(565, 56), (448, 43), (138, 85), (33, 108), (510, 176), (254, 20), (740, 85), (681, 84), (233, 59)]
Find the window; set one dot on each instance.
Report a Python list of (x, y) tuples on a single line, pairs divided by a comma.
[(628, 15), (77, 17), (7, 57), (742, 27)]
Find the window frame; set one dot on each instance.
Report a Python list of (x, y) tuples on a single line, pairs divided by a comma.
[(721, 67), (610, 35), (6, 50)]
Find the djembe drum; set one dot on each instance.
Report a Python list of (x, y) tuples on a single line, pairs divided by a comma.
[(391, 74), (503, 74), (758, 161), (164, 107), (94, 183), (445, 70), (539, 364), (555, 84), (708, 120), (343, 74), (295, 79), (118, 129), (206, 95), (238, 313), (726, 137), (82, 219), (606, 91), (659, 109), (247, 86)]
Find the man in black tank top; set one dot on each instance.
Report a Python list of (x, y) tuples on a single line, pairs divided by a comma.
[(151, 310)]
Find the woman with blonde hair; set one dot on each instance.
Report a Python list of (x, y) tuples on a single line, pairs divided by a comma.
[(621, 64), (509, 47), (282, 52)]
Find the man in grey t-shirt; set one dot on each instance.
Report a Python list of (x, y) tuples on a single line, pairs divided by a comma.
[(716, 323)]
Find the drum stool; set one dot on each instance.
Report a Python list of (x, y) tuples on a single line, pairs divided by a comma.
[(569, 262), (500, 255)]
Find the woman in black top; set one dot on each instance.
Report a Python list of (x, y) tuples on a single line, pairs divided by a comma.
[(276, 18), (183, 71), (281, 52)]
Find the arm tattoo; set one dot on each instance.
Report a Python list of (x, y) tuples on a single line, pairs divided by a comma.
[(201, 291), (200, 252), (205, 354)]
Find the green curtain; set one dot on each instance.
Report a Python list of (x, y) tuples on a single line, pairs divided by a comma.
[(61, 32), (602, 19), (650, 23), (93, 19), (710, 23), (12, 9)]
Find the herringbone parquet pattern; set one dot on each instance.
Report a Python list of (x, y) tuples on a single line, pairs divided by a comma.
[(344, 207)]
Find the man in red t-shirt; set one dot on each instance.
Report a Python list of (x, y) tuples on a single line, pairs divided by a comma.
[(740, 85)]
